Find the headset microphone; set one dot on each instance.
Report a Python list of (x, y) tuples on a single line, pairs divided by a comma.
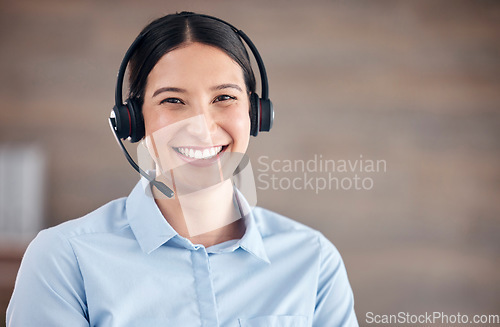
[(159, 185)]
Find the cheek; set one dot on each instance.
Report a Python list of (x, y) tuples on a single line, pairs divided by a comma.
[(151, 121), (155, 120), (238, 126), (241, 121)]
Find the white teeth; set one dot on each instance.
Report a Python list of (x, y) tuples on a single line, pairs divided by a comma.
[(199, 154)]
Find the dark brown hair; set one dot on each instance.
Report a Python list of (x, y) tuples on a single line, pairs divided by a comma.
[(172, 31)]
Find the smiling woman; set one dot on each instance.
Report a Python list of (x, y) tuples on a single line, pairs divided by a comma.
[(204, 256)]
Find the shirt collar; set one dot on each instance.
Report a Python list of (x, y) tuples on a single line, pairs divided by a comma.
[(252, 239), (152, 230)]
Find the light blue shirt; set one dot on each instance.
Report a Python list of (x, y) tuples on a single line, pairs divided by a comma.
[(124, 265)]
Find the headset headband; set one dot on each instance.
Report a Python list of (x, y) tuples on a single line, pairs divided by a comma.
[(240, 33)]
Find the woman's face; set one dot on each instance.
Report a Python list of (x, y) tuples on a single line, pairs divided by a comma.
[(196, 110)]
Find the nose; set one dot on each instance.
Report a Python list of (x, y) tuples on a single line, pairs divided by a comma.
[(203, 125)]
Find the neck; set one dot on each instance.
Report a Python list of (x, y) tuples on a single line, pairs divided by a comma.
[(208, 216)]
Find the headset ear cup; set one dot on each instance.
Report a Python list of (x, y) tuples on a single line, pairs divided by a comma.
[(122, 121), (137, 121), (254, 114), (267, 115)]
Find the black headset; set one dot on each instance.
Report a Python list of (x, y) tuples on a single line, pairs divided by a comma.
[(127, 119)]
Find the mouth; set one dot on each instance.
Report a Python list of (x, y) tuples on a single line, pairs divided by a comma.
[(200, 153)]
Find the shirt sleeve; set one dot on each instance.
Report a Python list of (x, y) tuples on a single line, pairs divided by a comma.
[(49, 288), (334, 301)]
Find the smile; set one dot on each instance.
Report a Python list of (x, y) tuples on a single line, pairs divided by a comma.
[(200, 153)]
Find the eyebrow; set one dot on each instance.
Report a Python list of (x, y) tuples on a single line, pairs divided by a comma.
[(227, 86), (215, 88), (168, 89)]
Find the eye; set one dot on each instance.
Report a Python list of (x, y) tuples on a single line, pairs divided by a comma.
[(172, 100), (224, 97)]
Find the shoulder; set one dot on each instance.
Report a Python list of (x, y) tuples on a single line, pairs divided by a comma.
[(109, 218), (272, 224), (50, 270), (51, 257)]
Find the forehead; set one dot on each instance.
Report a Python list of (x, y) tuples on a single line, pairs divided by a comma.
[(195, 65)]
